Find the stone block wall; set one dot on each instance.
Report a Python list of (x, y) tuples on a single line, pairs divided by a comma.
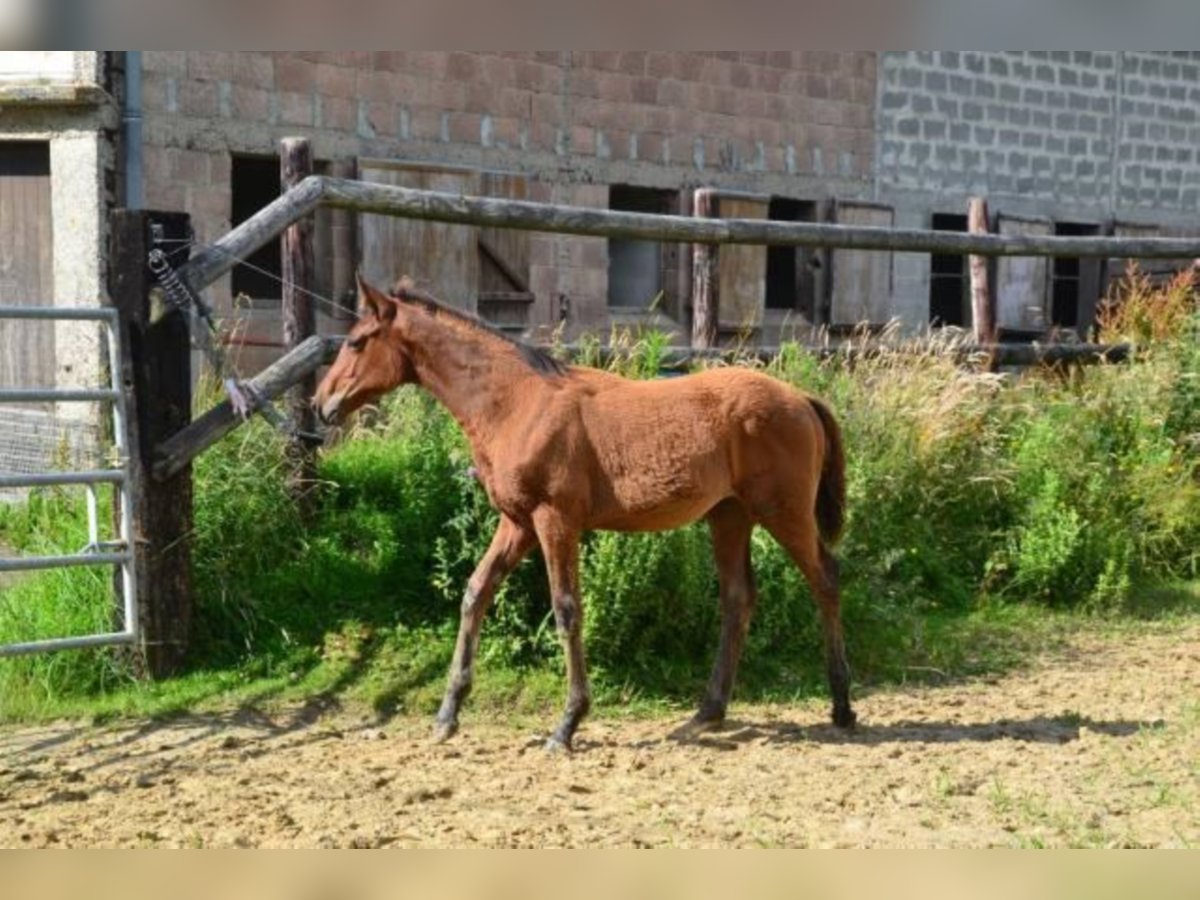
[(794, 123)]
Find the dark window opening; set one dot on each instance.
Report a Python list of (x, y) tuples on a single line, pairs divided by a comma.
[(255, 183), (792, 271), (635, 267), (26, 159), (949, 278), (1069, 278)]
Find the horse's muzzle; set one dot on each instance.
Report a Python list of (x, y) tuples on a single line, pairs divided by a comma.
[(329, 410)]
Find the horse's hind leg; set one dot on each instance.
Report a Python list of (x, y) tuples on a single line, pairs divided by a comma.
[(730, 526), (560, 547), (820, 568), (509, 546)]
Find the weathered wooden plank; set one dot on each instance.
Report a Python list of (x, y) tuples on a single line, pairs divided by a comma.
[(210, 264), (1003, 354), (513, 280), (443, 256), (743, 269), (862, 282), (1023, 281), (1014, 355), (1114, 269), (611, 223), (173, 454), (504, 264), (176, 452), (507, 297)]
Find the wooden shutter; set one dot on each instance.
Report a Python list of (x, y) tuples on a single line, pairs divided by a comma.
[(505, 298), (861, 290), (1021, 281), (1158, 269), (26, 263), (1115, 267), (742, 268), (442, 258)]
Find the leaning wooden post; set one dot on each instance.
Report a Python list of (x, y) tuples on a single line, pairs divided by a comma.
[(299, 321), (157, 378), (983, 311), (706, 300)]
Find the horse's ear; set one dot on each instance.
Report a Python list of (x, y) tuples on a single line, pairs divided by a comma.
[(373, 301)]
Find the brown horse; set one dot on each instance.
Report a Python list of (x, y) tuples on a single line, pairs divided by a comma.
[(563, 450)]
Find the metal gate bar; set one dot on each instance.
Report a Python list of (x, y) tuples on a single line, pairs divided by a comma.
[(48, 479), (96, 553), (61, 395)]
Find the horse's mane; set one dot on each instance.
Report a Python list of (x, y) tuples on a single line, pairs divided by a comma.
[(538, 359)]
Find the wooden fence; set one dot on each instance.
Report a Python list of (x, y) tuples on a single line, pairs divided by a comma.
[(165, 461)]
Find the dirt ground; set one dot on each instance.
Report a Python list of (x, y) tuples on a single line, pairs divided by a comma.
[(1098, 746)]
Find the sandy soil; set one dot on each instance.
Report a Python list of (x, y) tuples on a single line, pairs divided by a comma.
[(1097, 746)]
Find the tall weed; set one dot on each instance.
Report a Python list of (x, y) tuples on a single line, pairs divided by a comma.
[(1066, 489)]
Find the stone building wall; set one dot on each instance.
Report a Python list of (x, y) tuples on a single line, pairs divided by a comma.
[(796, 124)]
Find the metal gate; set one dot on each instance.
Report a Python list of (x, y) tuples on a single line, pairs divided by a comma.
[(119, 553)]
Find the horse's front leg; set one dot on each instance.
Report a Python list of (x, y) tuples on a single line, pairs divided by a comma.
[(509, 546), (560, 546)]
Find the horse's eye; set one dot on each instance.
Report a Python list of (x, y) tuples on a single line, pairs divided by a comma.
[(357, 343)]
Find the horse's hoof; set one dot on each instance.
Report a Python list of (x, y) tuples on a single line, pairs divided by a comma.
[(844, 718), (555, 744), (443, 731)]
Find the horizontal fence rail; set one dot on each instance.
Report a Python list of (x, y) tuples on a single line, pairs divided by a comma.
[(173, 454), (680, 357), (1001, 354), (209, 264)]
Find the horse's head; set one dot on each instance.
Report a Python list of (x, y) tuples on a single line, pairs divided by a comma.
[(372, 360)]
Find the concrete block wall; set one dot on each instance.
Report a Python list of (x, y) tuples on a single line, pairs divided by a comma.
[(1158, 158), (1080, 136), (794, 123)]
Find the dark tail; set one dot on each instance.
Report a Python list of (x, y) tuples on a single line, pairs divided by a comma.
[(831, 492)]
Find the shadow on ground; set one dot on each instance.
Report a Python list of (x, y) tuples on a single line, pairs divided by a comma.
[(1040, 730)]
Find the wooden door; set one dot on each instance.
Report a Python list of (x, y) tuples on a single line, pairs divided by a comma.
[(742, 269), (1021, 281), (505, 299), (443, 259), (861, 290), (26, 263)]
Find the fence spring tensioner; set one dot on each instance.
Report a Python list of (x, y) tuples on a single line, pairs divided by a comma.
[(243, 398)]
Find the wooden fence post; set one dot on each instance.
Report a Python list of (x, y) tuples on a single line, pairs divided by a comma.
[(157, 378), (299, 319), (983, 310), (706, 300)]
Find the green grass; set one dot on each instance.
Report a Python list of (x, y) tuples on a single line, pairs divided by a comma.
[(990, 518)]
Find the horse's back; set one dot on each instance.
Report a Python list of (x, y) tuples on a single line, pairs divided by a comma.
[(667, 450)]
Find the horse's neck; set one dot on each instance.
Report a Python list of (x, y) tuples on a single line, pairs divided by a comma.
[(469, 374)]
